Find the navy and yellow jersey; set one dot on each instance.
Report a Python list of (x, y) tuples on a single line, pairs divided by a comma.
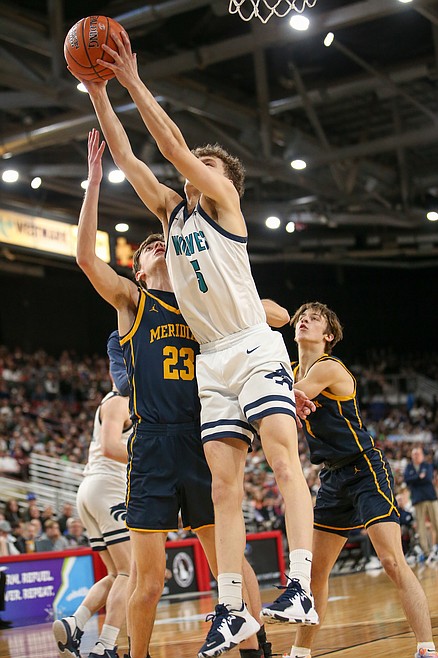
[(159, 353), (335, 431)]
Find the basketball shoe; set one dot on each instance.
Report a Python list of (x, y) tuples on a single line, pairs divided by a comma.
[(68, 641), (426, 653), (295, 606), (228, 629), (99, 651)]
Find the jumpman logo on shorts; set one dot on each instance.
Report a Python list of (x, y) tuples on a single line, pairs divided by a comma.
[(281, 376)]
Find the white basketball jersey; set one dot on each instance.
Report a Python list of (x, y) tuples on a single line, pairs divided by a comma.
[(211, 276), (97, 463)]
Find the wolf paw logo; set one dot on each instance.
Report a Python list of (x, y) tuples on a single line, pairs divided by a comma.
[(118, 511), (281, 376)]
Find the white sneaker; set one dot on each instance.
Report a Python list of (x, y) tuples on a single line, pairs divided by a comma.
[(228, 629), (295, 606), (433, 555), (68, 642)]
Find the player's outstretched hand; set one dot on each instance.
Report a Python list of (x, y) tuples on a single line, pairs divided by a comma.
[(305, 406), (95, 151), (91, 87), (125, 61)]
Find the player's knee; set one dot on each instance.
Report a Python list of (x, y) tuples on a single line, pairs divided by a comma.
[(392, 565), (282, 468), (149, 592), (226, 493)]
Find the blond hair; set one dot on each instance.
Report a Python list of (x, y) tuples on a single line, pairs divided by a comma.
[(333, 326)]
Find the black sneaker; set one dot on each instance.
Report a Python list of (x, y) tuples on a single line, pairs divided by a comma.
[(295, 606), (68, 642), (228, 629)]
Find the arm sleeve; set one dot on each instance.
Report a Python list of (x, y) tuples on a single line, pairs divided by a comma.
[(116, 364)]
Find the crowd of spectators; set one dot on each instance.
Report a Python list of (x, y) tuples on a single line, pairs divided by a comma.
[(29, 529), (47, 407)]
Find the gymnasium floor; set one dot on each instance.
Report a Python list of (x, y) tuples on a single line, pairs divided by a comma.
[(364, 619)]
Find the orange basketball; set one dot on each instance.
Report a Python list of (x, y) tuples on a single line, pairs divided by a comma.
[(83, 46)]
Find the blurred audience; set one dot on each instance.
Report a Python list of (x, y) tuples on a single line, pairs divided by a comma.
[(51, 539), (75, 533)]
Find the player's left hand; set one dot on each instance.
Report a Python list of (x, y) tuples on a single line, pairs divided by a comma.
[(95, 151), (305, 406), (125, 61)]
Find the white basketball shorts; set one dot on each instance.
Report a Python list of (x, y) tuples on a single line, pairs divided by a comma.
[(241, 379), (101, 505)]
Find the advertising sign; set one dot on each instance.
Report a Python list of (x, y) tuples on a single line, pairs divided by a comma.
[(46, 234), (41, 590)]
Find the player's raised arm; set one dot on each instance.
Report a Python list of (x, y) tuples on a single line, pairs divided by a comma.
[(113, 288), (159, 198), (166, 133)]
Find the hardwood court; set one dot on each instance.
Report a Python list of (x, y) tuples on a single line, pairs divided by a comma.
[(364, 618)]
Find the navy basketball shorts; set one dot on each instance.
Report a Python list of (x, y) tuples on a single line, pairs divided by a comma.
[(167, 473), (356, 495)]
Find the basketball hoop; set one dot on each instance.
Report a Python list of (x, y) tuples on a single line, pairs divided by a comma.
[(264, 9)]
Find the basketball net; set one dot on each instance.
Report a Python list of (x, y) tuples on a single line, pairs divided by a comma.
[(264, 9)]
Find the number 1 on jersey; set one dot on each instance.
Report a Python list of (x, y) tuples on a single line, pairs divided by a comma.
[(201, 281)]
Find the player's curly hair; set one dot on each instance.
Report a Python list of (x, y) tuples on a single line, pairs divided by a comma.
[(153, 237), (334, 326), (234, 169)]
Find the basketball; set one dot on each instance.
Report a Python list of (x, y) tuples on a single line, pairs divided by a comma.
[(83, 47)]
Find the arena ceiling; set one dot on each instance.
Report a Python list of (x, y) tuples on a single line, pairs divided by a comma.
[(363, 114)]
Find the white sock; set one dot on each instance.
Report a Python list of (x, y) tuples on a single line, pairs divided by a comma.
[(108, 636), (299, 652), (230, 590), (300, 564), (426, 645), (79, 619)]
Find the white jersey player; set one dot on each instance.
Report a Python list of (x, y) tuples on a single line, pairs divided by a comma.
[(244, 375), (101, 506)]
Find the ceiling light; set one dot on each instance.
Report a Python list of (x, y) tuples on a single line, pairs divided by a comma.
[(290, 227), (10, 176), (299, 22), (405, 1), (122, 227), (7, 155), (329, 38), (273, 222), (298, 164), (82, 87), (432, 216), (35, 183), (116, 176), (84, 184)]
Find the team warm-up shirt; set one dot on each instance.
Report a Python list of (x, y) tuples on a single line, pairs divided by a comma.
[(211, 276), (335, 430), (97, 463), (159, 353)]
